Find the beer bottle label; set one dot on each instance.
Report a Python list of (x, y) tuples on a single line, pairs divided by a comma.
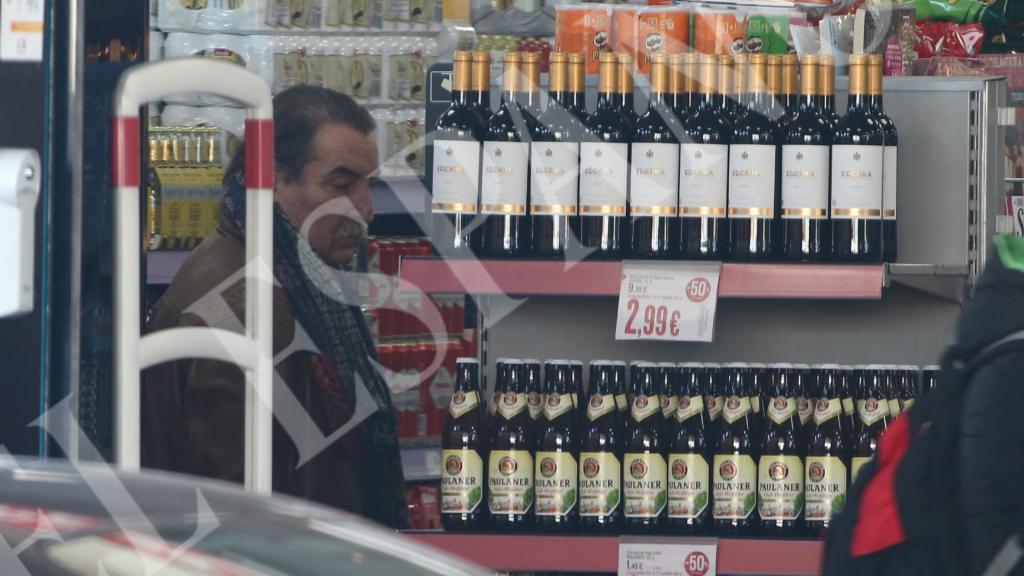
[(575, 400), (781, 409), (848, 406), (735, 487), (689, 406), (557, 404), (780, 487), (555, 483), (643, 485), (668, 405), (600, 483), (825, 491), (511, 405), (715, 404), (599, 405), (755, 404), (644, 407), (906, 404), (825, 410), (495, 402), (688, 485), (462, 481), (872, 410), (463, 402), (621, 402), (855, 465), (894, 408), (510, 482), (736, 407), (805, 407), (536, 404)]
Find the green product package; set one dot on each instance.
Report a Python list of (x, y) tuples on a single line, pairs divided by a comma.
[(767, 34)]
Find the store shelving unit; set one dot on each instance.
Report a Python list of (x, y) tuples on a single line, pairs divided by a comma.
[(554, 553)]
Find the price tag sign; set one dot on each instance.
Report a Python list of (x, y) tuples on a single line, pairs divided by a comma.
[(667, 557), (668, 301)]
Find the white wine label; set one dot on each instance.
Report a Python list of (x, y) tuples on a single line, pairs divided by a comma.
[(600, 483), (557, 404), (688, 484), (536, 405), (848, 406), (805, 181), (689, 406), (734, 488), (715, 405), (856, 463), (872, 410), (825, 410), (894, 408), (462, 481), (669, 404), (621, 402), (654, 179), (555, 483), (889, 181), (599, 405), (554, 177), (703, 179), (781, 409), (906, 404), (751, 181), (604, 178), (511, 404), (456, 176), (805, 407), (503, 179), (780, 487), (643, 485), (644, 407), (510, 481), (825, 487), (463, 402), (736, 407), (857, 181)]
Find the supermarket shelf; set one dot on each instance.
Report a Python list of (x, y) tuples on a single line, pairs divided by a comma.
[(522, 277), (551, 553)]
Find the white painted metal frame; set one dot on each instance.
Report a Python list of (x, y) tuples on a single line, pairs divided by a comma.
[(254, 351)]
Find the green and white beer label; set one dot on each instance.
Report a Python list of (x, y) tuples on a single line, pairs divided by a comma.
[(755, 404), (734, 487), (644, 407), (856, 464), (557, 404), (906, 404), (848, 406), (805, 407), (462, 481), (872, 410), (825, 487), (780, 487), (643, 485), (463, 402), (511, 404), (600, 483), (621, 402), (894, 408), (599, 405), (555, 483), (781, 409), (689, 483), (715, 405), (736, 407), (668, 405), (825, 410), (689, 406), (510, 481)]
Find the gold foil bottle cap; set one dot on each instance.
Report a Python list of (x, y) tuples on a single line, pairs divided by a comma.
[(691, 71), (577, 72), (676, 74), (462, 73), (827, 76), (462, 56), (659, 73), (809, 72), (625, 84), (726, 75), (481, 70), (875, 74), (757, 74), (790, 66), (774, 74), (708, 74), (512, 72), (608, 73), (558, 71), (858, 74)]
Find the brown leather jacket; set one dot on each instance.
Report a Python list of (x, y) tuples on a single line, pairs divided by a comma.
[(194, 411)]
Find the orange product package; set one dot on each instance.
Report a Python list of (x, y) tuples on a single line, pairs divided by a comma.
[(719, 33), (624, 29), (660, 29), (584, 28)]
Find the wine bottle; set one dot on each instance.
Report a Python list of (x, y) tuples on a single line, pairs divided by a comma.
[(503, 181), (790, 89), (456, 166), (625, 90), (753, 195), (857, 157), (554, 167), (891, 143), (736, 90), (654, 173), (528, 97), (604, 170), (482, 83), (704, 172), (578, 85), (776, 91), (827, 81), (677, 87), (805, 179)]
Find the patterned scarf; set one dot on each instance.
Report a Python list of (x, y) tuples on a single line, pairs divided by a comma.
[(318, 294)]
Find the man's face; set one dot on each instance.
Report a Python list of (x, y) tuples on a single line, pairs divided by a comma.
[(342, 166)]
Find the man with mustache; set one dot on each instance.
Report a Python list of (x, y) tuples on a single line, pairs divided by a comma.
[(194, 411)]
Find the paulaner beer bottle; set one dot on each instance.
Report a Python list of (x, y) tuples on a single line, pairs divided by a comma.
[(734, 484), (463, 452), (645, 475), (510, 463), (600, 474), (872, 418), (780, 472), (825, 479), (689, 476), (555, 476)]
